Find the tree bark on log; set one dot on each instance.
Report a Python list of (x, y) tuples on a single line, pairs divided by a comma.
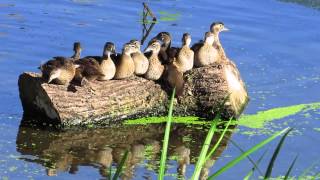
[(105, 101)]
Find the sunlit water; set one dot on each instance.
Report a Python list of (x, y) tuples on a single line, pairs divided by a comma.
[(275, 45)]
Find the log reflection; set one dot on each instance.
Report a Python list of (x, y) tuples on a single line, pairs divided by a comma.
[(65, 151)]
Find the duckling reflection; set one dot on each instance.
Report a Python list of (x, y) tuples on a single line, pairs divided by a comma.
[(64, 151)]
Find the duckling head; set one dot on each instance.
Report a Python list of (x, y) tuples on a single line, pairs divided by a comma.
[(217, 27), (109, 48), (165, 37), (209, 37), (136, 44), (77, 47), (128, 49), (155, 47), (186, 39)]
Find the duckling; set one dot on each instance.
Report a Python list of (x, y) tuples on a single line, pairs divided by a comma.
[(63, 72), (185, 57), (125, 65), (155, 68), (206, 54), (89, 70), (216, 28), (107, 66), (165, 39), (51, 67), (141, 62)]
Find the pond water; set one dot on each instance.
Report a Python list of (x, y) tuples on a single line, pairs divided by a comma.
[(275, 44)]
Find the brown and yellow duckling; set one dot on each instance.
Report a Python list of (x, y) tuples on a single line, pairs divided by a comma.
[(206, 54), (216, 28), (61, 70), (155, 69), (107, 66), (124, 65), (165, 39), (185, 57), (141, 62)]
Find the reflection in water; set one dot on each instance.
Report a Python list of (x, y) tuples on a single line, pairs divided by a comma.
[(64, 151)]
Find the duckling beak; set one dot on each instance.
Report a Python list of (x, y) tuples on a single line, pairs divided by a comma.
[(148, 49), (225, 29)]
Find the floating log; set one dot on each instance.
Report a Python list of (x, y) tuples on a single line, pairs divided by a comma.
[(105, 101)]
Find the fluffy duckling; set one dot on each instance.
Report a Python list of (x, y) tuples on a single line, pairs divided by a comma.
[(216, 28), (185, 57), (165, 39), (155, 69), (107, 66), (141, 62), (63, 71), (125, 65), (89, 69), (60, 69), (206, 54)]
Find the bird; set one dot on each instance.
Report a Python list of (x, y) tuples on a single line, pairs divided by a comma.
[(61, 70), (124, 64), (107, 66), (216, 28), (205, 54), (141, 62), (155, 69), (165, 39), (185, 56)]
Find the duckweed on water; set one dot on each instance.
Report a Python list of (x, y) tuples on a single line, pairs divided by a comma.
[(255, 121)]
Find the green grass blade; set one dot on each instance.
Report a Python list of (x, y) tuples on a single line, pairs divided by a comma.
[(248, 152), (166, 139), (248, 157), (204, 149), (120, 166), (110, 173), (275, 155), (290, 168), (219, 140), (255, 166)]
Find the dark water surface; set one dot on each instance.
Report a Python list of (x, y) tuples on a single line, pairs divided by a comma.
[(275, 44)]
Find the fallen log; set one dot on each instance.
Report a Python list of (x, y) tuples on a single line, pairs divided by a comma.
[(102, 102)]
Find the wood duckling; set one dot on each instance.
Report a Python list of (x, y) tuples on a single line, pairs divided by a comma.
[(216, 28), (206, 54), (155, 69), (60, 70), (124, 65), (107, 66), (185, 57), (165, 39), (141, 62)]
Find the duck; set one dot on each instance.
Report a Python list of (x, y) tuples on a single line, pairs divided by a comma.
[(165, 39), (141, 62), (107, 66), (88, 70), (63, 71), (156, 68), (216, 28), (185, 56), (124, 65), (59, 69), (206, 54)]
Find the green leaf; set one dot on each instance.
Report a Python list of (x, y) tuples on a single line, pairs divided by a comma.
[(120, 166), (247, 177), (275, 155), (166, 139), (290, 168), (248, 152)]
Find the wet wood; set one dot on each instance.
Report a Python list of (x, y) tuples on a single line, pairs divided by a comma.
[(114, 100)]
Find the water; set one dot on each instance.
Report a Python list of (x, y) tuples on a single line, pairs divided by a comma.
[(275, 45)]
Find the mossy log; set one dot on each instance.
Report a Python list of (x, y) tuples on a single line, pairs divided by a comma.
[(104, 101)]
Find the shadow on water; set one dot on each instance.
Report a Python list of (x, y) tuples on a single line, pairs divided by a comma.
[(62, 151), (308, 3)]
